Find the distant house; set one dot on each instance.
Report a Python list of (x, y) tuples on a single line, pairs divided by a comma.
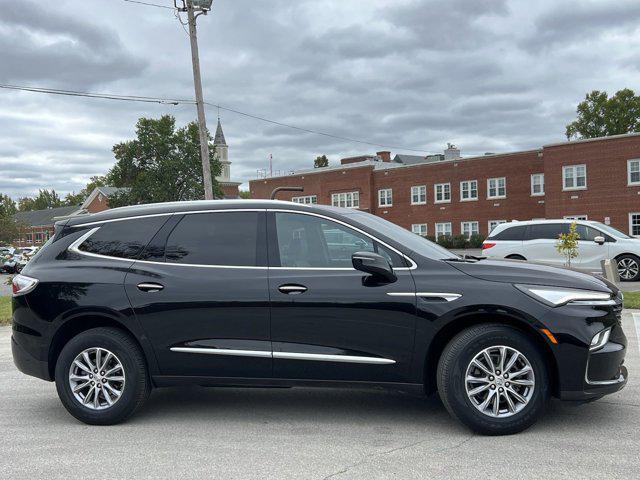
[(98, 200)]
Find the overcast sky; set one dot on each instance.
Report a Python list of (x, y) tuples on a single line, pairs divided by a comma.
[(487, 75)]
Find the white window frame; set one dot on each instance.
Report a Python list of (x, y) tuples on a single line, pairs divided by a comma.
[(574, 177), (497, 187), (629, 163), (468, 183), (576, 217), (346, 198), (495, 222), (421, 228), (533, 184), (471, 230), (419, 191), (450, 233), (305, 199), (631, 214), (385, 197), (435, 193)]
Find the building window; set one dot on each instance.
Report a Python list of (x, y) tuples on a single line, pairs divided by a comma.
[(38, 237), (385, 197), (29, 237), (443, 229), (442, 192), (497, 187), (634, 224), (633, 172), (469, 228), (537, 184), (307, 199), (575, 217), (419, 229), (419, 195), (346, 199), (468, 190), (574, 177), (494, 223)]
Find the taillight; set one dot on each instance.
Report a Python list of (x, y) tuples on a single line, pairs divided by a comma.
[(486, 245), (22, 284)]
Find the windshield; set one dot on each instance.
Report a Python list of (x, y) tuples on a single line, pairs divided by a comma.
[(610, 230), (414, 242)]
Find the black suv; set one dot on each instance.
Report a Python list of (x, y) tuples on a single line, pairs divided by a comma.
[(268, 293)]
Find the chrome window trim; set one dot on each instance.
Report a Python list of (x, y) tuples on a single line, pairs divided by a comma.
[(74, 247), (320, 357)]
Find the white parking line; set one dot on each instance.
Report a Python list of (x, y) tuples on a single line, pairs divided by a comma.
[(636, 321)]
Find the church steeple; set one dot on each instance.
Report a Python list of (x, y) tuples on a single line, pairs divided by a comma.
[(219, 138), (222, 149)]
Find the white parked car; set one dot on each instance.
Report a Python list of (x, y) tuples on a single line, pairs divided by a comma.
[(535, 241)]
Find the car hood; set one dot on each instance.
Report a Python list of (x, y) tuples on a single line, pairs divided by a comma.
[(515, 271)]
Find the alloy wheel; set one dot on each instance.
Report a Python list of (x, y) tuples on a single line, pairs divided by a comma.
[(499, 381), (628, 268), (97, 378)]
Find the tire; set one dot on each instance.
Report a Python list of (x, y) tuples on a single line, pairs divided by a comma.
[(134, 386), (628, 267), (453, 387), (515, 257)]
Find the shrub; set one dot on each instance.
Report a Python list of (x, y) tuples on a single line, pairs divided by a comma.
[(476, 240), (459, 242), (445, 241)]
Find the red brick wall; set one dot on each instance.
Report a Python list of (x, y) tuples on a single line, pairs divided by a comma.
[(23, 240), (98, 204), (230, 191)]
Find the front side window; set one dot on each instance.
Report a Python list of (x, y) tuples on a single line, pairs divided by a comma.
[(306, 200), (419, 195), (346, 199), (633, 172), (306, 241), (497, 187), (220, 239), (442, 192), (385, 197), (469, 190), (574, 177), (469, 228), (419, 229), (443, 229), (546, 231), (494, 223), (634, 224), (124, 238), (537, 184)]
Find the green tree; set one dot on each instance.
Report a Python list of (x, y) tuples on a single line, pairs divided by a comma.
[(567, 244), (7, 206), (9, 230), (246, 194), (162, 164), (78, 198), (600, 115), (320, 162), (44, 199)]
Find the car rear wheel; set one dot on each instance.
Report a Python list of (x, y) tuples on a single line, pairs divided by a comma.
[(493, 379), (101, 376), (515, 257), (628, 268)]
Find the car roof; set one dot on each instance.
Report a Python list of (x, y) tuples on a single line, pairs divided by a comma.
[(197, 206), (514, 223)]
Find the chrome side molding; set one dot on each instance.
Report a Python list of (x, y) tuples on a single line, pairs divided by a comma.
[(223, 351), (449, 297)]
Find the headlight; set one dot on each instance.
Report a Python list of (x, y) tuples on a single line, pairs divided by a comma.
[(556, 296)]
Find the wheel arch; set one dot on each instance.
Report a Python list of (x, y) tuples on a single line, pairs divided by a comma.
[(445, 334)]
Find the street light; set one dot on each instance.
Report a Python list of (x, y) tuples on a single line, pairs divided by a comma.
[(202, 7)]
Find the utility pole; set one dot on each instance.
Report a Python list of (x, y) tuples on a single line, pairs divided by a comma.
[(201, 6)]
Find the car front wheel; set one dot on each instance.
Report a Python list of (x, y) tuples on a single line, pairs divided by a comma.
[(628, 268), (493, 379), (101, 376)]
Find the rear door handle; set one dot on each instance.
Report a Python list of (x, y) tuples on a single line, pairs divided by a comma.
[(150, 287), (292, 289)]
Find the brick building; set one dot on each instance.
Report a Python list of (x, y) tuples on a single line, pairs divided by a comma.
[(597, 179)]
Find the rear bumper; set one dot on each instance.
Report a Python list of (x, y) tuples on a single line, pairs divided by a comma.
[(27, 363)]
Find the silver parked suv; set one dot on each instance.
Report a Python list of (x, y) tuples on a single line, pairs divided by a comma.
[(535, 240)]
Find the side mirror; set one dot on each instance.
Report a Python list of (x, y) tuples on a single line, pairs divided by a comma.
[(373, 264), (599, 240)]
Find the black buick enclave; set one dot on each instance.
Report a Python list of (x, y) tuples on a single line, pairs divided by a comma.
[(269, 293)]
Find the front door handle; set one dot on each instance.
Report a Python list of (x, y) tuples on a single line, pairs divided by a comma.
[(150, 287), (292, 289)]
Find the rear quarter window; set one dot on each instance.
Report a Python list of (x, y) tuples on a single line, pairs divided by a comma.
[(510, 233), (124, 238)]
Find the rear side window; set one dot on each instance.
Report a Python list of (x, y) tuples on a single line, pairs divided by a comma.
[(510, 233), (225, 238), (546, 231), (124, 238)]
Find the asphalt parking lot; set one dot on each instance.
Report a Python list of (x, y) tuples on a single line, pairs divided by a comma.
[(230, 433)]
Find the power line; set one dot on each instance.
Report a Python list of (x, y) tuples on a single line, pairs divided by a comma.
[(148, 4), (181, 101)]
